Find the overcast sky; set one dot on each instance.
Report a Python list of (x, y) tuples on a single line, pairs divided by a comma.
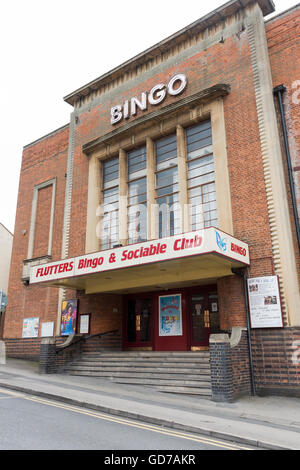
[(49, 49)]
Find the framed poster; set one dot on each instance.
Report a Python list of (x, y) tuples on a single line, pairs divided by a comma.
[(84, 324), (68, 317), (170, 315), (30, 327), (264, 302), (47, 329)]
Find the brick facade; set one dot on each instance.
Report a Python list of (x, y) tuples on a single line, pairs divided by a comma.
[(208, 57), (42, 161), (283, 36)]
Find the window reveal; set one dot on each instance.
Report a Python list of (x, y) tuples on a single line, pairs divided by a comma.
[(201, 176), (110, 222), (167, 186), (137, 195), (200, 181)]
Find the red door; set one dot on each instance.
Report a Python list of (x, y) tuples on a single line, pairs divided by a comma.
[(171, 331), (171, 320)]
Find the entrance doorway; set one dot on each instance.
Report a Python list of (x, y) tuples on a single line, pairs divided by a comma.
[(198, 316), (138, 322), (204, 317)]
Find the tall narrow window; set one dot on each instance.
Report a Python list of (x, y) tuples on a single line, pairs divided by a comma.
[(137, 195), (167, 186), (110, 222), (201, 176)]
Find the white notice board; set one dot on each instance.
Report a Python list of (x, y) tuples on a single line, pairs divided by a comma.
[(30, 327), (264, 302), (47, 329)]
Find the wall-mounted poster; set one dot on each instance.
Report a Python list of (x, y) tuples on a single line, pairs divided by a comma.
[(30, 327), (68, 317), (264, 302), (47, 329), (170, 317), (84, 325)]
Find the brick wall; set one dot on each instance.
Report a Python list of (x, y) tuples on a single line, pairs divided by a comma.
[(230, 365), (232, 309), (283, 35), (241, 366), (106, 311), (42, 224), (23, 348), (276, 361), (276, 364), (43, 160)]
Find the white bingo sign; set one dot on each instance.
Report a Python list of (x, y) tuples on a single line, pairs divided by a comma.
[(264, 302)]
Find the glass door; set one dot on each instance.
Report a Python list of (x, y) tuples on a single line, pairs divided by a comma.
[(204, 316), (138, 323), (200, 324)]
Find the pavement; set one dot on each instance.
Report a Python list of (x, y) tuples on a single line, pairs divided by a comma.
[(263, 422)]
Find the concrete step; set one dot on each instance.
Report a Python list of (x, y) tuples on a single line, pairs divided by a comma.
[(170, 372), (142, 369), (155, 358), (140, 375), (204, 392), (181, 367), (161, 382), (168, 354), (151, 381)]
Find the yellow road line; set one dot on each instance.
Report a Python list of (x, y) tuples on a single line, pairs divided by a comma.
[(10, 392), (139, 425)]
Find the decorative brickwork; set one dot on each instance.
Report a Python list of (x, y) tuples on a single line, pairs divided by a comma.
[(221, 368), (241, 366), (23, 348), (65, 355), (48, 356), (276, 360), (229, 362)]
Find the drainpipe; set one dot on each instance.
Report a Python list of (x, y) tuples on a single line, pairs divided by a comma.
[(278, 91), (240, 273)]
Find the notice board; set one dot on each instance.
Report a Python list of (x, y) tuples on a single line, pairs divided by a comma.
[(264, 302)]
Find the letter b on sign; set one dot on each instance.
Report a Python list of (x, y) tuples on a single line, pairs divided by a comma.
[(116, 114)]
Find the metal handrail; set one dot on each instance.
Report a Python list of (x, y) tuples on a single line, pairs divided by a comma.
[(100, 334), (85, 338)]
